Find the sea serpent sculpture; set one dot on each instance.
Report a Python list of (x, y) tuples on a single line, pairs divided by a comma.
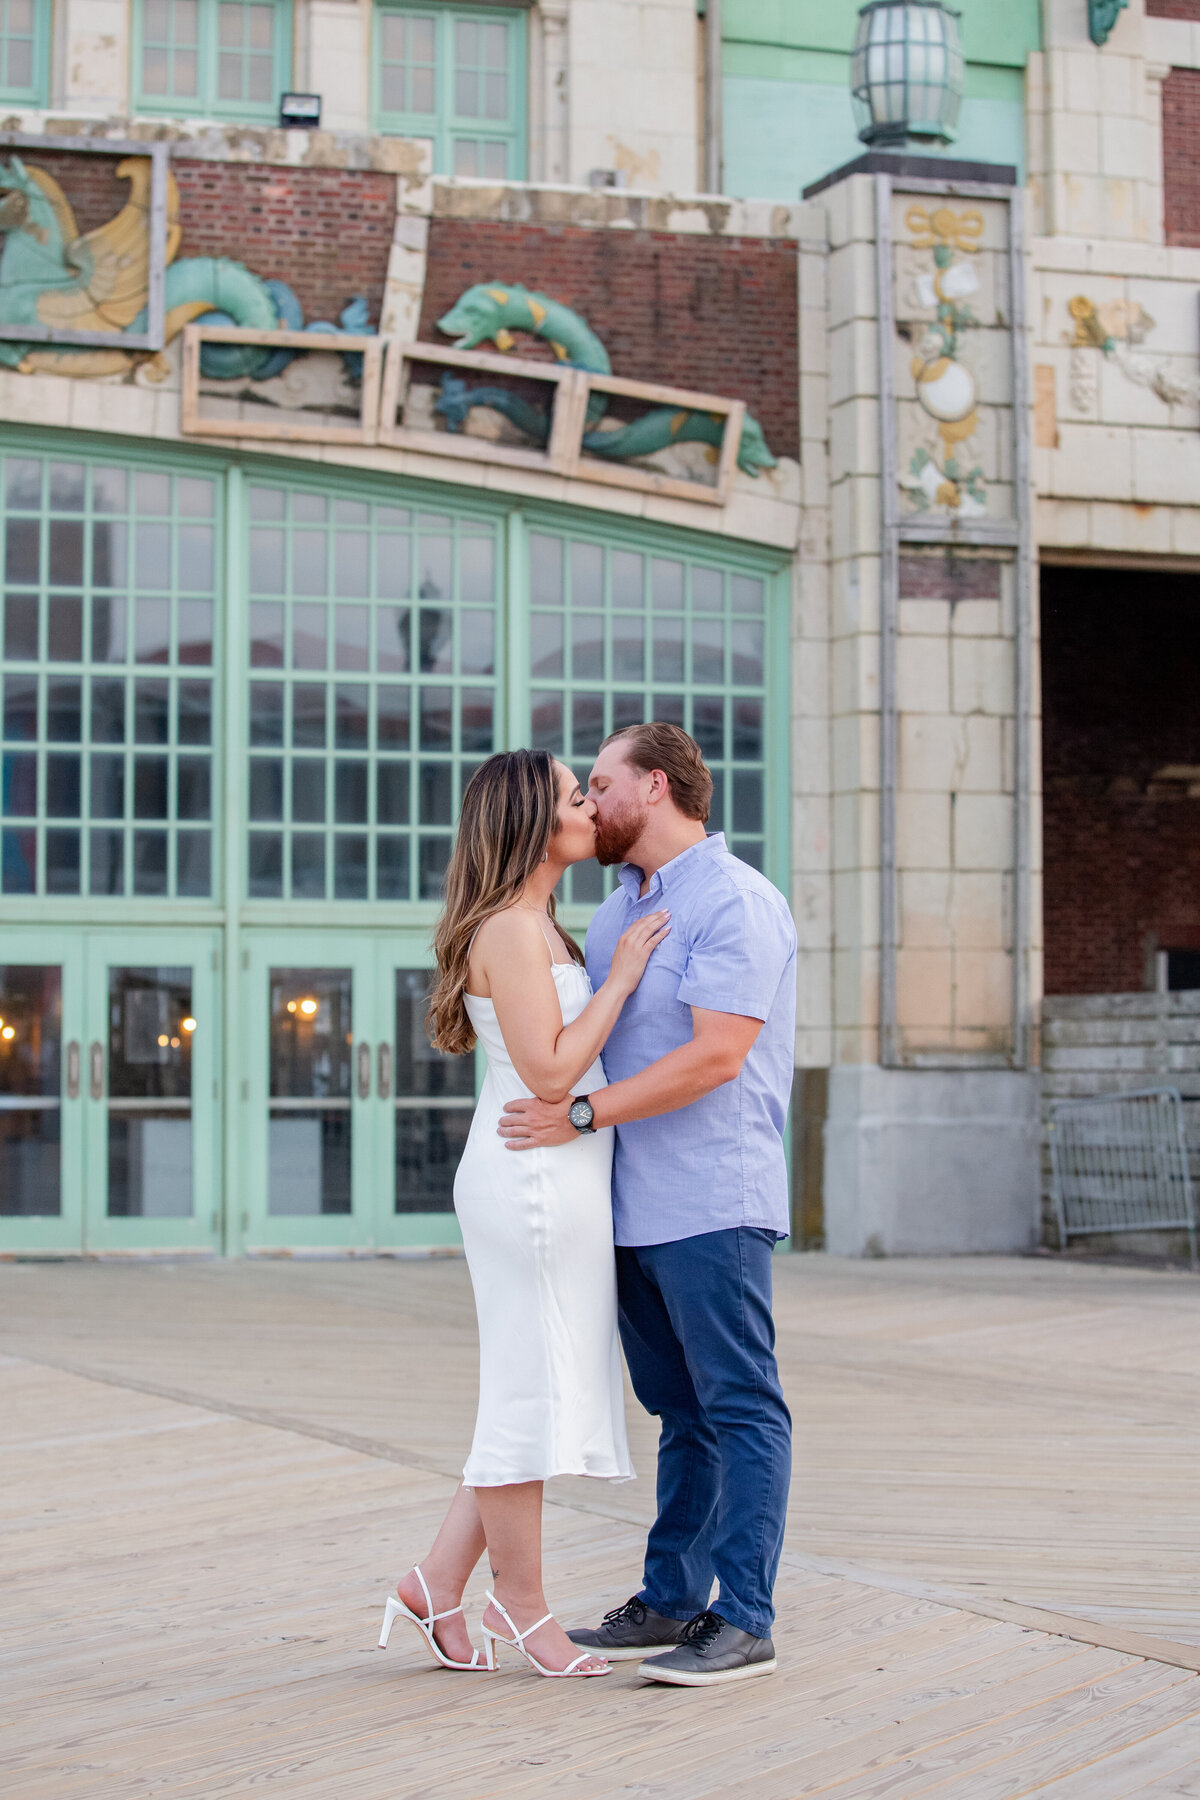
[(51, 274), (493, 311)]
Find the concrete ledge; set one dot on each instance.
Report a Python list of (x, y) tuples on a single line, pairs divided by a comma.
[(931, 1162)]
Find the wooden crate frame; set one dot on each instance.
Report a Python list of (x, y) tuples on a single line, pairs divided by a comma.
[(568, 406), (616, 474), (387, 369), (370, 348)]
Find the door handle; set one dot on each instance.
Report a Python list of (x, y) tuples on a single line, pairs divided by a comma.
[(73, 1069), (96, 1071), (384, 1080), (364, 1071)]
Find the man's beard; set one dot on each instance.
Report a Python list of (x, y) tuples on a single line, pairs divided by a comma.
[(618, 832)]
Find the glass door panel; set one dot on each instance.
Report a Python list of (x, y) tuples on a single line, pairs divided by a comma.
[(310, 1129), (309, 1092), (427, 1107), (151, 1086), (150, 1030), (31, 1091), (40, 1067)]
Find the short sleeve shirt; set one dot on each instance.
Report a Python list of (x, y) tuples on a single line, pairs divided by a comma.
[(719, 1162)]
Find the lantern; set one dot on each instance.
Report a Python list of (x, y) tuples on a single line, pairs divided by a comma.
[(906, 72)]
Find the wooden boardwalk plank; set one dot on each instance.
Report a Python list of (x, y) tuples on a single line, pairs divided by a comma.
[(206, 1499)]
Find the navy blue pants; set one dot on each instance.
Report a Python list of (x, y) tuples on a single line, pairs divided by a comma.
[(699, 1339)]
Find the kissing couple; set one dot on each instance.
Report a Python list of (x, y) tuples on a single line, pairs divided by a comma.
[(636, 1096)]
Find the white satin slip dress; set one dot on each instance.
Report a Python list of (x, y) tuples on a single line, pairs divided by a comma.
[(538, 1235)]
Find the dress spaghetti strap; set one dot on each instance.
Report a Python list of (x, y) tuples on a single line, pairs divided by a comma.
[(550, 941)]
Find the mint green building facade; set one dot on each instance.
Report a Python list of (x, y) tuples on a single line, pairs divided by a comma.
[(240, 703), (786, 89)]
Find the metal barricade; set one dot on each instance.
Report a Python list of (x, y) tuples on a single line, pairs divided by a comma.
[(1119, 1162)]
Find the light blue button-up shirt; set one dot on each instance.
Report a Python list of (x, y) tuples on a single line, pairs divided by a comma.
[(720, 1161)]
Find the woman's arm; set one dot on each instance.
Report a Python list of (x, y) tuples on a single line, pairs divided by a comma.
[(513, 956)]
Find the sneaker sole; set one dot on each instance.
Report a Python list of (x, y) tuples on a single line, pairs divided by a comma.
[(625, 1653), (681, 1678)]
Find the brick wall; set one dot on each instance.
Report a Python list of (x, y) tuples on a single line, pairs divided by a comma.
[(326, 232), (1120, 677), (1181, 151), (716, 315), (1173, 9)]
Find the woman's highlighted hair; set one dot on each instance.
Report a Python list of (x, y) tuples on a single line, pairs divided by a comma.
[(509, 815)]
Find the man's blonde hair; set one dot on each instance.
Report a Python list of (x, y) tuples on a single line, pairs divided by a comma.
[(669, 748)]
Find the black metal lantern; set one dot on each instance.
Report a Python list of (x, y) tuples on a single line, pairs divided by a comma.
[(906, 72)]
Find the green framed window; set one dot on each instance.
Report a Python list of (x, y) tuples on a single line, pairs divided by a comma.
[(24, 50), (372, 691), (456, 75), (106, 713), (618, 634), (218, 58)]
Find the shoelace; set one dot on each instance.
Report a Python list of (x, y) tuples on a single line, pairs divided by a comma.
[(701, 1631), (632, 1613)]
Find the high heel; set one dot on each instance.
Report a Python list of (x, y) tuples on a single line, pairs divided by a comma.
[(395, 1608), (517, 1642)]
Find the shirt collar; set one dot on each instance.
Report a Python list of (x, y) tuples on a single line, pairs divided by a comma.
[(631, 877)]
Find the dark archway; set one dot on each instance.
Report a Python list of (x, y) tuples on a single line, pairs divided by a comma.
[(1121, 770)]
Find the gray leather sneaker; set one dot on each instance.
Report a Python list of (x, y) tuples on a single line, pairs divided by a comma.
[(711, 1650), (626, 1633)]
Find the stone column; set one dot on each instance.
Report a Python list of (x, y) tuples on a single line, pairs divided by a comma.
[(339, 36), (633, 86), (931, 1135), (549, 93), (90, 69), (1095, 126)]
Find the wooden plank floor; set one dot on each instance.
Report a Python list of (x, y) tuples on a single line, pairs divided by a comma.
[(211, 1474)]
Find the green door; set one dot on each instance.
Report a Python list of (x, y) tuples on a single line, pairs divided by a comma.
[(309, 1005), (151, 1093), (425, 1105), (108, 1091), (41, 1110), (353, 1125)]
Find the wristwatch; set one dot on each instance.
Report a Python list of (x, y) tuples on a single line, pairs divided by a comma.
[(581, 1113)]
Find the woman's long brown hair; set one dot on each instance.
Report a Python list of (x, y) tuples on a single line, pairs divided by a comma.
[(509, 814)]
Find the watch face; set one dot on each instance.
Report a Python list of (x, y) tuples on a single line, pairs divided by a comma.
[(580, 1114)]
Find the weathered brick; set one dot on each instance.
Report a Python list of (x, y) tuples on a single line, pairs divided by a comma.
[(1181, 147), (718, 315)]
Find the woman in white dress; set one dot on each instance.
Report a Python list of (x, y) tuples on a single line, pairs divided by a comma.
[(537, 1227)]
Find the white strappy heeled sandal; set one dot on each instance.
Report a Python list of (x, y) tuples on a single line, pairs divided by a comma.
[(517, 1642), (396, 1608)]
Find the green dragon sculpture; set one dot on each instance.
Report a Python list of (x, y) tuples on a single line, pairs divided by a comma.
[(493, 311), (51, 274)]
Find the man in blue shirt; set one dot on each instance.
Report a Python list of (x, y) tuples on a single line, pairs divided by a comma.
[(699, 1067)]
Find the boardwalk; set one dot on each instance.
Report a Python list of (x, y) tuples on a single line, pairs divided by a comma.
[(213, 1472)]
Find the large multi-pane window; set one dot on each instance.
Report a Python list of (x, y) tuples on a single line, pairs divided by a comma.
[(24, 35), (372, 692), (456, 76), (617, 636), (368, 671), (218, 57), (107, 704)]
